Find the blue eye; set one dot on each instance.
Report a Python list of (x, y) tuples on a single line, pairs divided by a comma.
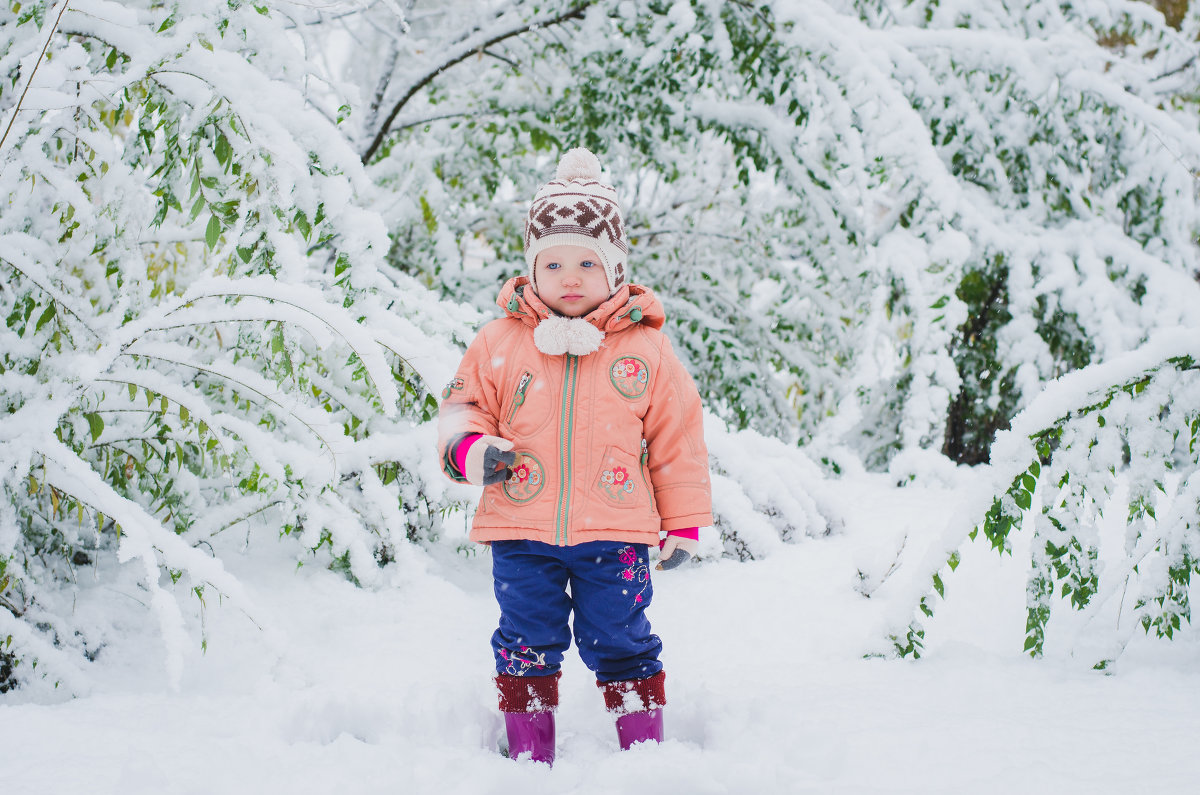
[(552, 266), (587, 264)]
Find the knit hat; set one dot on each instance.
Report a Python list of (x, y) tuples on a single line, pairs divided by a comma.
[(577, 209)]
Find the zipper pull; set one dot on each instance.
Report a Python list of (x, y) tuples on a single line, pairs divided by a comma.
[(645, 452), (519, 395)]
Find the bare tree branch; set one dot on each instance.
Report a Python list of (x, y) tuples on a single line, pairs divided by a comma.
[(459, 57)]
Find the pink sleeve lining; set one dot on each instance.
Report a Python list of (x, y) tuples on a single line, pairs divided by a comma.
[(460, 452), (683, 532)]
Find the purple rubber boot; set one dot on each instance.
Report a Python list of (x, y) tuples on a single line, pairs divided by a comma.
[(532, 734), (640, 727), (528, 704)]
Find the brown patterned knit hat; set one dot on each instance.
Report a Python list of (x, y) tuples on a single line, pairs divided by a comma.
[(577, 209)]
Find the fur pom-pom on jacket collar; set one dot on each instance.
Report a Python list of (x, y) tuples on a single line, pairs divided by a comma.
[(555, 335)]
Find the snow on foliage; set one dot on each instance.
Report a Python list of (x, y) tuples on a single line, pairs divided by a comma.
[(199, 330), (244, 244)]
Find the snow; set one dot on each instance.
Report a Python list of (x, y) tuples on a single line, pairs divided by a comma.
[(222, 666), (387, 689)]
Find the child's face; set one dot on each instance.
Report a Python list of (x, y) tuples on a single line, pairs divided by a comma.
[(570, 280)]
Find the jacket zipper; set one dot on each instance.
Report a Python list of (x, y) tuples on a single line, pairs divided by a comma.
[(646, 480), (566, 443), (519, 395)]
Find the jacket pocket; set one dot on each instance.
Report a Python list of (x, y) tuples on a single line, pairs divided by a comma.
[(522, 419), (518, 398), (617, 481)]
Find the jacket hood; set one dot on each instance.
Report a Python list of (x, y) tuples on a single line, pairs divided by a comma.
[(631, 304)]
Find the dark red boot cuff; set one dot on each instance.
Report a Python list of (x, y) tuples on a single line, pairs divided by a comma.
[(635, 695), (528, 693)]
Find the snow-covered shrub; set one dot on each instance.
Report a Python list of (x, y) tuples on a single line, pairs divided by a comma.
[(1103, 473), (197, 334), (876, 224)]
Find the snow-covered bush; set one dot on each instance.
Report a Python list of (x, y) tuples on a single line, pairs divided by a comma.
[(1103, 474), (234, 235), (198, 336), (881, 224)]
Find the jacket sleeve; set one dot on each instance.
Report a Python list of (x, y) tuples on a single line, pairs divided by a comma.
[(677, 456), (469, 404)]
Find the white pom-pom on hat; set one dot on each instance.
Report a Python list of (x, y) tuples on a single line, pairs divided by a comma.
[(578, 163)]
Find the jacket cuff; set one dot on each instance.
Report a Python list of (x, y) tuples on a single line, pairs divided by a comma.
[(450, 461), (462, 448), (687, 521)]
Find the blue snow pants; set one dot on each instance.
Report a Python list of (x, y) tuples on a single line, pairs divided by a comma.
[(609, 593)]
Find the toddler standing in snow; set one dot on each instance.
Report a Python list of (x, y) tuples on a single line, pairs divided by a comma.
[(583, 427)]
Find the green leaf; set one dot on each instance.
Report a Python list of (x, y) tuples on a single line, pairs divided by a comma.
[(213, 233), (302, 222), (132, 391), (1023, 500), (223, 151), (341, 265), (46, 317), (95, 424), (183, 413), (196, 209)]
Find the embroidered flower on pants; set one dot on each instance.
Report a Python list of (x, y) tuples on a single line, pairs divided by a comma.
[(635, 571)]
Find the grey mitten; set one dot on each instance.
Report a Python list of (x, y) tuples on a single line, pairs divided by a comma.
[(677, 558), (485, 456), (676, 551)]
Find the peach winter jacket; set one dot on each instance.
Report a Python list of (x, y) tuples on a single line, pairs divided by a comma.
[(610, 444)]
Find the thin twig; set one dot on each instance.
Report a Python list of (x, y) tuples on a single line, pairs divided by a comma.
[(33, 73)]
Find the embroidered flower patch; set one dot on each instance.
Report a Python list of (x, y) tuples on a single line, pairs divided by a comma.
[(630, 376), (526, 480), (616, 484)]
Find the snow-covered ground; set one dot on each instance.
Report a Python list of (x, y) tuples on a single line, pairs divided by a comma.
[(388, 690)]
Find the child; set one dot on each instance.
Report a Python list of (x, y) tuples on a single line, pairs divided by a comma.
[(583, 427)]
